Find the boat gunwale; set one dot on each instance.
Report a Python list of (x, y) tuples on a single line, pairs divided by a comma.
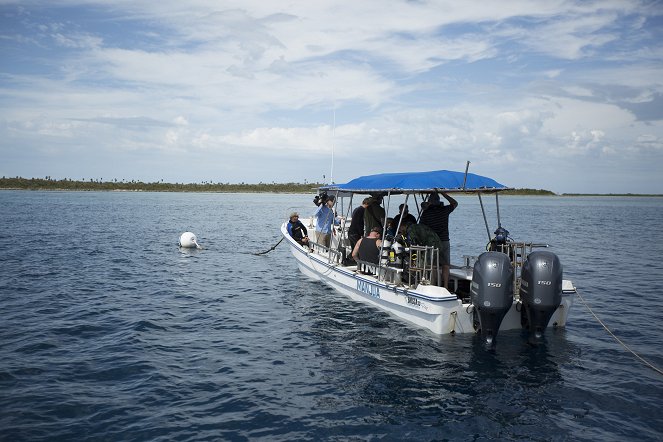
[(368, 278)]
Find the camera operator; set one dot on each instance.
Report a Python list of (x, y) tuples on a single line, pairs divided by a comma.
[(324, 217)]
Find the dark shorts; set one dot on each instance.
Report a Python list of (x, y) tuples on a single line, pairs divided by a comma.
[(445, 253)]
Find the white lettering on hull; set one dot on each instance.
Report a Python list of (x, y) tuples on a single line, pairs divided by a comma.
[(367, 288)]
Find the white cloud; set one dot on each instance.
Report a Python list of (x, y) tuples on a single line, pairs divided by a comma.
[(515, 85)]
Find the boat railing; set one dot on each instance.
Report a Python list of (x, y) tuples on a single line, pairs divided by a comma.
[(518, 253), (390, 275), (422, 268), (335, 256), (469, 260)]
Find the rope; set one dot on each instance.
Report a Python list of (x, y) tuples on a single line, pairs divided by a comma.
[(644, 361), (267, 251)]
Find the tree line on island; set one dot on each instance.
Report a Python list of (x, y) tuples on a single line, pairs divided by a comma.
[(158, 186), (99, 184)]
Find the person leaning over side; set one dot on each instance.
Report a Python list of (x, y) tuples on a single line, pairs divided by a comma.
[(297, 230), (356, 229), (324, 218), (368, 248), (436, 216)]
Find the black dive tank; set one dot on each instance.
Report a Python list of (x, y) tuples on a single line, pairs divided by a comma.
[(540, 289), (492, 292)]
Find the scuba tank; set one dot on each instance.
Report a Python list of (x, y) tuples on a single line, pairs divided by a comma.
[(386, 251)]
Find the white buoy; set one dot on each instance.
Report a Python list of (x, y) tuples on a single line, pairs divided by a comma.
[(188, 240)]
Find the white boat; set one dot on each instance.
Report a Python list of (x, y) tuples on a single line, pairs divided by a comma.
[(515, 285)]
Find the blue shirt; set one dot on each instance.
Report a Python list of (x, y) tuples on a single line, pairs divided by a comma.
[(324, 217)]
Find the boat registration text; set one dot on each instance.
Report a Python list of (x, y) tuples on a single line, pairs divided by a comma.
[(367, 288)]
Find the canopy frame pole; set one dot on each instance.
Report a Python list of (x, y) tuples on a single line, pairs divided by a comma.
[(497, 204), (400, 217), (483, 211), (345, 222), (467, 166), (384, 230), (331, 239)]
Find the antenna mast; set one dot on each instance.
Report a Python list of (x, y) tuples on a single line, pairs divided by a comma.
[(331, 174)]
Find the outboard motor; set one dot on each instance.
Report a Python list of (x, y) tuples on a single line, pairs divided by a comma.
[(540, 290), (491, 292)]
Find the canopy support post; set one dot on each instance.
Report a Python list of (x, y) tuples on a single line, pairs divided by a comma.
[(384, 230), (467, 166), (497, 204), (483, 211)]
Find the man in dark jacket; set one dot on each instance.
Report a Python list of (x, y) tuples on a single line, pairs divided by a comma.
[(297, 230), (356, 229)]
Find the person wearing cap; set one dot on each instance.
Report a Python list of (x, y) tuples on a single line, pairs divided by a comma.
[(436, 216), (297, 230), (368, 248), (324, 217)]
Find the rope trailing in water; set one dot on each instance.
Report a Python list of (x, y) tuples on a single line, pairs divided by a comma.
[(644, 361), (269, 250)]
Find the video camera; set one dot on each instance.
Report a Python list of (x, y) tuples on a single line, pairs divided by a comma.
[(321, 199)]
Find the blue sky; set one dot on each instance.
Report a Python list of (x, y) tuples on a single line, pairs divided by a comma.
[(560, 95)]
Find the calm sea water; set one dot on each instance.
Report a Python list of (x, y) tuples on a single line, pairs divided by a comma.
[(109, 332)]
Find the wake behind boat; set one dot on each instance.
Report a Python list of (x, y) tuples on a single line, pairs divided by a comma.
[(512, 285)]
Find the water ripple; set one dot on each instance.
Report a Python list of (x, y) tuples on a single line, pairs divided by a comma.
[(108, 341)]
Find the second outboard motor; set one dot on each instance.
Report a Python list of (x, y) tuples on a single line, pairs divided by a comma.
[(492, 292), (540, 289)]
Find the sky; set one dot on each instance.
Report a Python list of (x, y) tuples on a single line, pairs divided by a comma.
[(559, 95)]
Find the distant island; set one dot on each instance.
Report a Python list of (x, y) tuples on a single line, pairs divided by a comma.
[(48, 183), (159, 186)]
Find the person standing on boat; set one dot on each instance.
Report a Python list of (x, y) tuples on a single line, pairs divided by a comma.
[(436, 216), (324, 217), (297, 230), (374, 214), (368, 248), (356, 229), (403, 212)]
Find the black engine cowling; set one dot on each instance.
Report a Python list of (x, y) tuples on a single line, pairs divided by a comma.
[(540, 290), (492, 292)]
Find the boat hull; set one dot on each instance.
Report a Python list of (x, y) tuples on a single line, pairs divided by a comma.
[(428, 307)]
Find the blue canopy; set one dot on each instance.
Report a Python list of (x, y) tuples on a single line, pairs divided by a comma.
[(436, 180)]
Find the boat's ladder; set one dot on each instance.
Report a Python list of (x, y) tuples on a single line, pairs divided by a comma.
[(424, 266), (517, 252)]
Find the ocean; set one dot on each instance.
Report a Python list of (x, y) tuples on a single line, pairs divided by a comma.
[(110, 332)]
